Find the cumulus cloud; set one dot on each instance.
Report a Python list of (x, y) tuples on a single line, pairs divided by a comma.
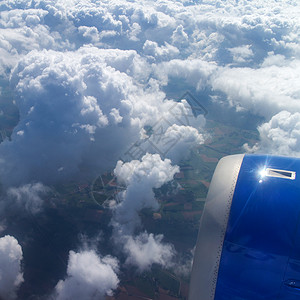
[(166, 51), (212, 37), (269, 91), (266, 90), (89, 277), (76, 107), (66, 102), (91, 34), (11, 275), (145, 249), (203, 30), (241, 54), (22, 29), (179, 37), (140, 177), (281, 135), (177, 140), (195, 72)]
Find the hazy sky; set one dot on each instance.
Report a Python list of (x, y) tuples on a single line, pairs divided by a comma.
[(88, 79)]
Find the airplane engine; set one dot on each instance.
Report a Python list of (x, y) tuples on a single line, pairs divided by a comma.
[(248, 244)]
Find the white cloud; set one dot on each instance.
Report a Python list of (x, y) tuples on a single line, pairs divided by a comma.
[(135, 30), (179, 139), (166, 51), (179, 37), (70, 103), (91, 34), (139, 177), (195, 72), (11, 276), (88, 277), (78, 106), (281, 135), (27, 196), (145, 249), (23, 30), (266, 90), (150, 169), (241, 54), (198, 29)]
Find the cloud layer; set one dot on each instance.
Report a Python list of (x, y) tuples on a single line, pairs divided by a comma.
[(78, 106), (247, 51)]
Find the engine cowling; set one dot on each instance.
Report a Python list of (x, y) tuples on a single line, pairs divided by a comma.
[(248, 244)]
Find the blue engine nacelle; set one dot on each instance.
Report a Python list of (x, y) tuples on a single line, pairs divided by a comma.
[(248, 245)]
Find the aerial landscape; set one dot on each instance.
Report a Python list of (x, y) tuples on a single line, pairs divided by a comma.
[(113, 117), (83, 206)]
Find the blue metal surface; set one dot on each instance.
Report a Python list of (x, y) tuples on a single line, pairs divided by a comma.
[(261, 250)]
